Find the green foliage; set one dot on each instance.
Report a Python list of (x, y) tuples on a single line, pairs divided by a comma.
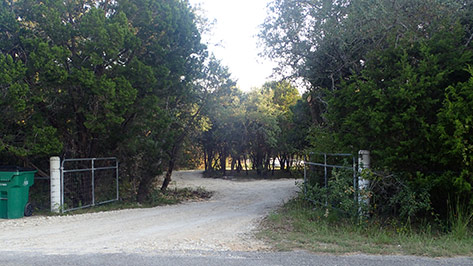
[(23, 132), (455, 128), (411, 201), (256, 126), (262, 126), (297, 225), (398, 97), (399, 109), (389, 77), (222, 127), (338, 196), (326, 41), (460, 220), (321, 139), (100, 78)]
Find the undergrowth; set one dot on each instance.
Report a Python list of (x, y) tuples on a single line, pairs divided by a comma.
[(298, 225)]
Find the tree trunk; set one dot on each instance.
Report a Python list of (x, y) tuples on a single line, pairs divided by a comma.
[(167, 178), (316, 110), (233, 164), (259, 162), (172, 162), (143, 189), (246, 164), (209, 161), (289, 162), (267, 164), (239, 167), (223, 162), (282, 163), (175, 149)]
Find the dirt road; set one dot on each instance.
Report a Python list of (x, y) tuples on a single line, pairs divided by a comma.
[(224, 223)]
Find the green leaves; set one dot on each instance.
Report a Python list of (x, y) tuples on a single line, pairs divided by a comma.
[(21, 133), (13, 91), (388, 76), (410, 107), (456, 130), (258, 125)]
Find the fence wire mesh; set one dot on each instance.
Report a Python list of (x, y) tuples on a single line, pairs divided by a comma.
[(330, 180), (88, 182)]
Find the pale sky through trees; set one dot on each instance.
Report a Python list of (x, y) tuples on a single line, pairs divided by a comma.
[(237, 24)]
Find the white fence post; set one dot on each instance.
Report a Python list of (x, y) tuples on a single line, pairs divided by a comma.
[(364, 162), (55, 178)]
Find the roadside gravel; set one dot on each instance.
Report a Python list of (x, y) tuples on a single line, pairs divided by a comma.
[(224, 223)]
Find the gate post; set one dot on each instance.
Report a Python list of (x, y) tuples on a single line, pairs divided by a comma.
[(55, 178), (364, 162)]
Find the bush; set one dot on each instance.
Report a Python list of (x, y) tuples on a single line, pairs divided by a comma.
[(388, 195), (460, 220), (339, 195), (393, 196)]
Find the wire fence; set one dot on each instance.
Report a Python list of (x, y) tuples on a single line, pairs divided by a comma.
[(88, 182), (327, 173)]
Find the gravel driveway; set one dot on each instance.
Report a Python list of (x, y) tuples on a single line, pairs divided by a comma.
[(224, 223), (208, 233)]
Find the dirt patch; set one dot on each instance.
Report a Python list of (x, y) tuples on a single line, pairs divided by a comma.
[(225, 222)]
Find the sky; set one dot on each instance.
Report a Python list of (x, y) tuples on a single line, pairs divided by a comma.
[(235, 30)]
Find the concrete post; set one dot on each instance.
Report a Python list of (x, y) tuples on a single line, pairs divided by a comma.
[(364, 162), (55, 178)]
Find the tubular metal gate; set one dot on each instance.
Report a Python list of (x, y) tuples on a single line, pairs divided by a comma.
[(329, 163), (88, 182)]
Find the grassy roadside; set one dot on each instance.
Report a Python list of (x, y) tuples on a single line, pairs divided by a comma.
[(298, 226)]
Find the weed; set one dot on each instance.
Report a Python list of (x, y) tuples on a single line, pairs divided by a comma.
[(459, 219), (298, 225)]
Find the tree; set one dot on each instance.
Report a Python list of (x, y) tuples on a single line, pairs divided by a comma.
[(284, 96), (455, 128), (384, 75), (24, 132), (393, 107), (262, 128), (324, 42), (258, 125), (222, 112), (98, 78)]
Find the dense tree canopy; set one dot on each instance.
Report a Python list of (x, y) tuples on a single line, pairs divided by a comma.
[(132, 79), (252, 129), (100, 78), (388, 76)]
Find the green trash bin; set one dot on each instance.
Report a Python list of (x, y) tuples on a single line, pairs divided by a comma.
[(15, 185)]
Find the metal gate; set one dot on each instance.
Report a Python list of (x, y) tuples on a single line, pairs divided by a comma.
[(319, 170), (88, 182)]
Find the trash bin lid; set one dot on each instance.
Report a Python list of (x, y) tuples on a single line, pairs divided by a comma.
[(8, 172), (9, 168)]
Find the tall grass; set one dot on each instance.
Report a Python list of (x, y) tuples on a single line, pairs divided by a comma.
[(460, 220), (299, 225)]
